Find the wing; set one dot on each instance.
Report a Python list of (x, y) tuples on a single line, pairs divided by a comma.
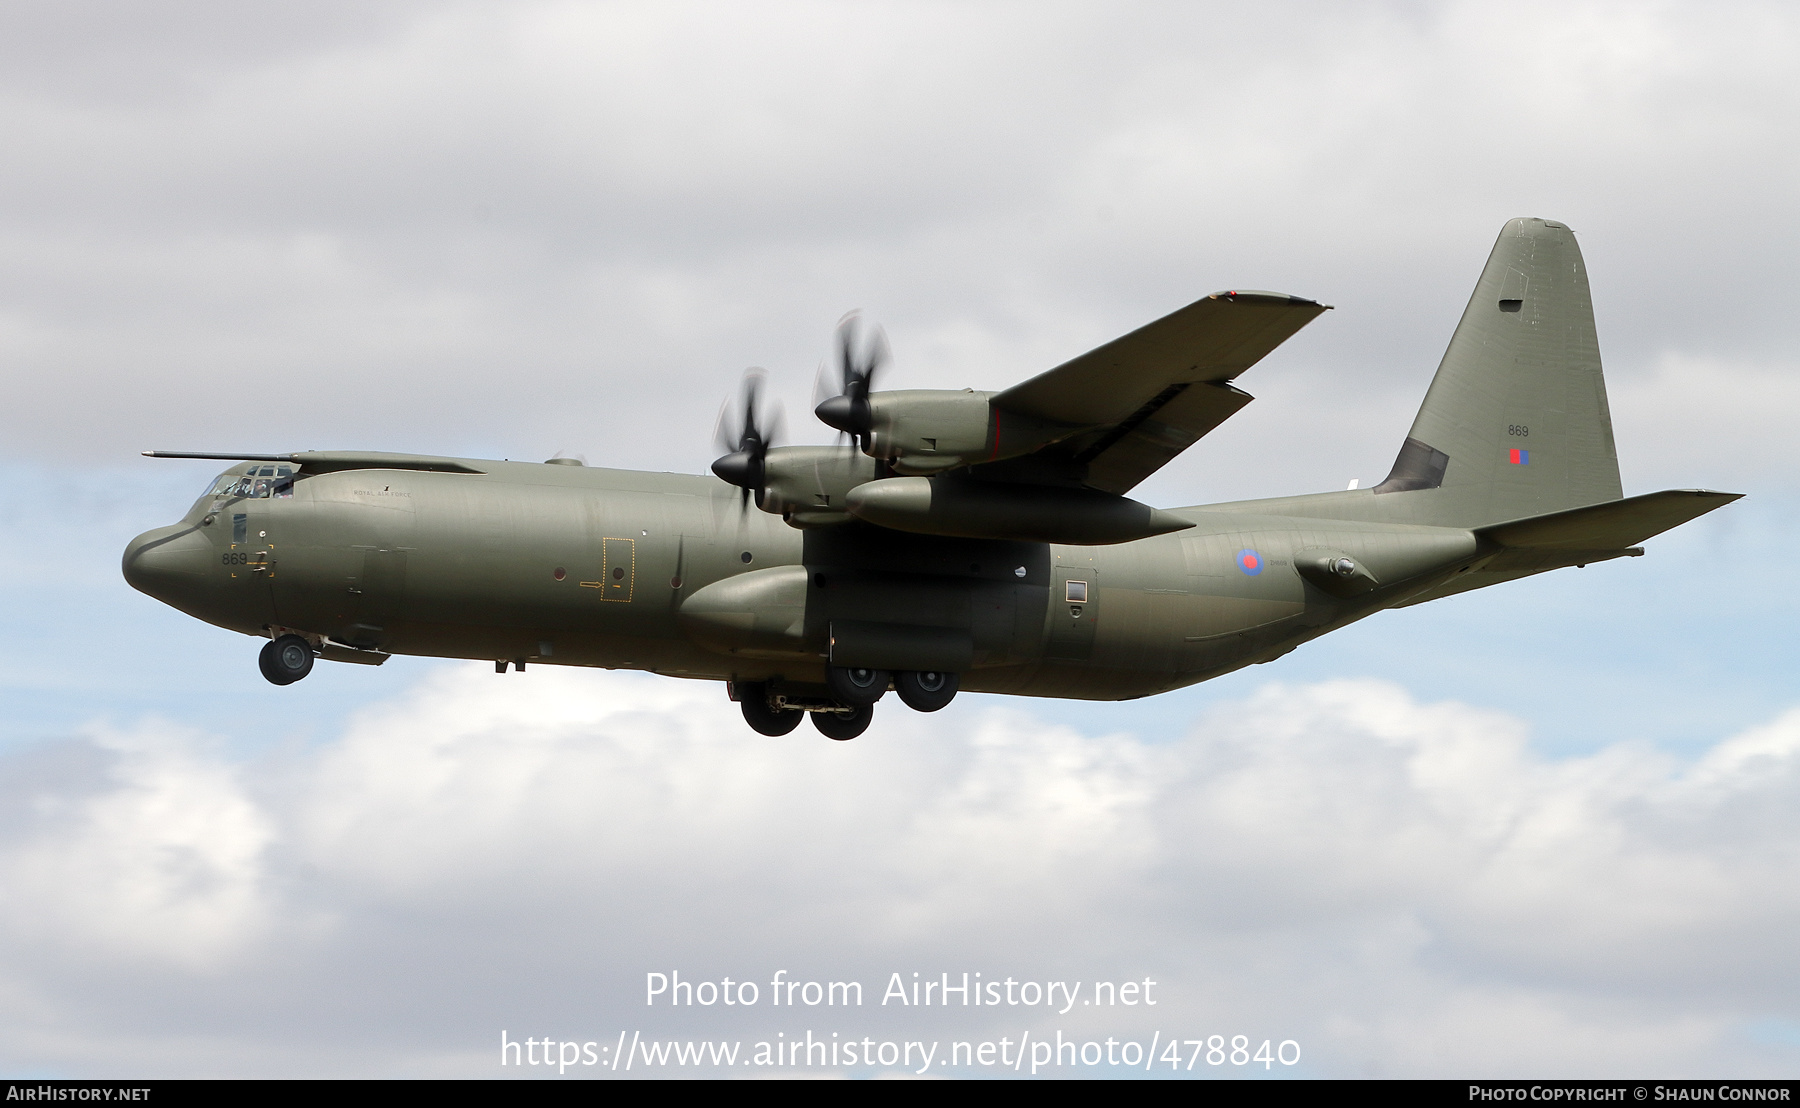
[(1147, 396), (331, 461)]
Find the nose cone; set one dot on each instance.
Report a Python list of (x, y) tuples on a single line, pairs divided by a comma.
[(844, 414), (743, 469), (169, 563)]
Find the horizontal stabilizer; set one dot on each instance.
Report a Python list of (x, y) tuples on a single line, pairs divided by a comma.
[(1614, 525)]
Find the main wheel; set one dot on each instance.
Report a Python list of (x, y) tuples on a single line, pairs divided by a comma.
[(844, 726), (286, 660), (856, 686), (764, 720), (925, 692)]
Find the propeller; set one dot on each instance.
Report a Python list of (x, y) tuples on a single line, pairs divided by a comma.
[(745, 432), (861, 355)]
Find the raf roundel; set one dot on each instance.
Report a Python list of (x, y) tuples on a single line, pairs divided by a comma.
[(1250, 562)]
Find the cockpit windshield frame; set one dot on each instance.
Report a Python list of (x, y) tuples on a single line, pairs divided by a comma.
[(256, 483)]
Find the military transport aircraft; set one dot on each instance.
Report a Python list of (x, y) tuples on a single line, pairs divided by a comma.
[(959, 539)]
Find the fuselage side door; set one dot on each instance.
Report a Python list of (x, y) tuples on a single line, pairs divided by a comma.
[(1074, 604), (618, 569)]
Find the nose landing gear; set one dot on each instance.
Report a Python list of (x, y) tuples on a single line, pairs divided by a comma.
[(286, 659)]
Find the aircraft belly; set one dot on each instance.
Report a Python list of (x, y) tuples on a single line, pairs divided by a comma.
[(806, 613)]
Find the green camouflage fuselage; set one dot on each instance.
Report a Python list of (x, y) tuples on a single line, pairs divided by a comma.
[(593, 567)]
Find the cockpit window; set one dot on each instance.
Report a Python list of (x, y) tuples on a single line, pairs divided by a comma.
[(259, 483)]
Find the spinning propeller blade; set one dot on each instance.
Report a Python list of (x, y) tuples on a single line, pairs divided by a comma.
[(861, 355), (745, 432)]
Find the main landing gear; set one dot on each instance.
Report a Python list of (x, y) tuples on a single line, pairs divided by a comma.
[(286, 659), (855, 687), (763, 717), (849, 706), (925, 692), (843, 726)]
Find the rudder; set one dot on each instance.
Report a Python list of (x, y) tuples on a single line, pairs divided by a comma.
[(1516, 421)]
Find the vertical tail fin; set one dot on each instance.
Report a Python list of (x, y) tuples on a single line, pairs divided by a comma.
[(1516, 422)]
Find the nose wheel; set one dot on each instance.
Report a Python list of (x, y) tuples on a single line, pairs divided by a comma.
[(286, 660)]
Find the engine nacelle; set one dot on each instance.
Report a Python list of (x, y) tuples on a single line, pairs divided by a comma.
[(994, 510), (926, 431), (806, 485)]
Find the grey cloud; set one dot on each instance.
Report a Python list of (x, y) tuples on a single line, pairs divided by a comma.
[(1402, 887), (520, 229)]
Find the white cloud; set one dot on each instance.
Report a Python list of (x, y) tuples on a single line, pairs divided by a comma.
[(1709, 421), (161, 864), (517, 229), (1404, 888)]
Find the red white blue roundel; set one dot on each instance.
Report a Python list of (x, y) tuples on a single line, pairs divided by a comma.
[(1250, 562)]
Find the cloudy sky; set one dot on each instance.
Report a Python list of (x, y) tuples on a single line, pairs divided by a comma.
[(1546, 830)]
